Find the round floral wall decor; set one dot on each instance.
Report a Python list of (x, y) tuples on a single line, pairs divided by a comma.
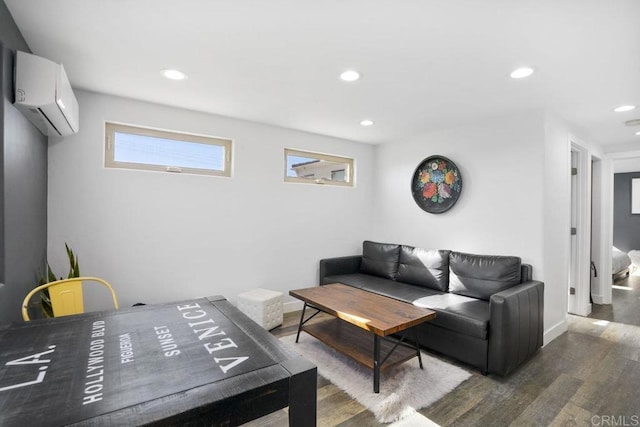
[(436, 184)]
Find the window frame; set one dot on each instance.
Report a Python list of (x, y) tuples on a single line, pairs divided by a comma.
[(349, 161), (112, 127)]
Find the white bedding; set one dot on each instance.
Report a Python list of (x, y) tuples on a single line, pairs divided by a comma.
[(634, 268), (620, 261)]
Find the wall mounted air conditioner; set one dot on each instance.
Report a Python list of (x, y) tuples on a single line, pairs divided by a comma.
[(44, 95)]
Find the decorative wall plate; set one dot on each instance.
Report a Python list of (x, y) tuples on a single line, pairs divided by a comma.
[(436, 184)]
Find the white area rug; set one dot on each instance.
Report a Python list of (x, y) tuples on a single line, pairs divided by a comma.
[(415, 420), (403, 388)]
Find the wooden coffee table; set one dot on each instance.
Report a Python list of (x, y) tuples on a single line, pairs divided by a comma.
[(362, 325)]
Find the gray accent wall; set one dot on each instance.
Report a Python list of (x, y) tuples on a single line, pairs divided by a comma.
[(23, 185), (626, 227)]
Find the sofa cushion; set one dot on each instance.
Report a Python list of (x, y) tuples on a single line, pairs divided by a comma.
[(380, 259), (386, 287), (465, 315), (424, 267), (480, 276)]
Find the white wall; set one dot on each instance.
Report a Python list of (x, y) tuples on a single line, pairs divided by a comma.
[(161, 236), (514, 201), (556, 179), (497, 211)]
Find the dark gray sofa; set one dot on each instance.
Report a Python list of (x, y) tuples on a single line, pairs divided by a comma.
[(489, 312)]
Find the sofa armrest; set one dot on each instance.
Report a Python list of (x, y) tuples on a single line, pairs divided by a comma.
[(340, 265), (515, 326)]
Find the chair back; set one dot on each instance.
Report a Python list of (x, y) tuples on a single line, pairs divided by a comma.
[(66, 296)]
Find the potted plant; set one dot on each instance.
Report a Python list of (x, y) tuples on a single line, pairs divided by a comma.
[(74, 271)]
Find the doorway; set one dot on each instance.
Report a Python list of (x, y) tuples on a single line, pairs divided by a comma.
[(617, 300)]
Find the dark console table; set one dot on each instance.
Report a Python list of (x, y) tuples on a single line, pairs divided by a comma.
[(196, 362)]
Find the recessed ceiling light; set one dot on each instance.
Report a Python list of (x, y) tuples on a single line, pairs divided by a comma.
[(350, 76), (174, 74), (638, 133), (367, 122), (521, 72), (623, 108)]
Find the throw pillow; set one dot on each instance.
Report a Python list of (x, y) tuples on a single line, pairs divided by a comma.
[(424, 267), (380, 259), (480, 276)]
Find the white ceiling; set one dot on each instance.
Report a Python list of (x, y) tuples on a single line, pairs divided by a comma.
[(425, 64)]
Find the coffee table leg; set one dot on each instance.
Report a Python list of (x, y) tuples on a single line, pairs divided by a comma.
[(415, 339), (376, 363), (301, 321)]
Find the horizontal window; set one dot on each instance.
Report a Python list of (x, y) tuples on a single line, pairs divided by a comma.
[(316, 168), (134, 147)]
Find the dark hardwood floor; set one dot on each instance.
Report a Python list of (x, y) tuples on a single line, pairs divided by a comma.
[(625, 306), (589, 376)]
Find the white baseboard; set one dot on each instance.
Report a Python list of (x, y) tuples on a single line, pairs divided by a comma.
[(290, 306), (554, 332), (598, 299)]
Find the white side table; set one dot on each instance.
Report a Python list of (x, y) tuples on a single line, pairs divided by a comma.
[(263, 306)]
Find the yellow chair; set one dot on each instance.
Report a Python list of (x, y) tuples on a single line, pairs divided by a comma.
[(66, 296)]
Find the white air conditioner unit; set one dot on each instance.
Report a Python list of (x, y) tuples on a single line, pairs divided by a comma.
[(44, 95)]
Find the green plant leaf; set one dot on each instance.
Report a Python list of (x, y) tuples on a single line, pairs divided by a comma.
[(50, 276), (74, 271), (74, 267), (45, 303)]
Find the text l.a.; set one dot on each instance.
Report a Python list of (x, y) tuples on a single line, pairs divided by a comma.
[(33, 359)]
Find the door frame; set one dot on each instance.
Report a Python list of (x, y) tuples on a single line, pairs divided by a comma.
[(599, 220), (608, 170), (579, 303)]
